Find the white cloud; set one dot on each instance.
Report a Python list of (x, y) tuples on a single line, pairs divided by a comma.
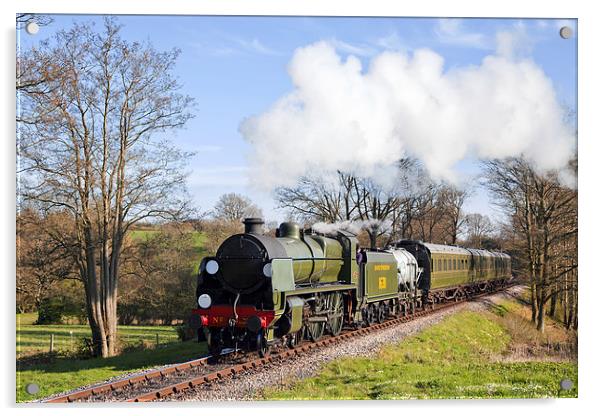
[(451, 31), (360, 50), (254, 45), (514, 43), (342, 116), (392, 41), (233, 46)]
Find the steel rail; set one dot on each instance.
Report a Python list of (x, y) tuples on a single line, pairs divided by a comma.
[(133, 380)]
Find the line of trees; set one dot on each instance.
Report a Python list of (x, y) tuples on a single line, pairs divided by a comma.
[(542, 214), (412, 207), (157, 272)]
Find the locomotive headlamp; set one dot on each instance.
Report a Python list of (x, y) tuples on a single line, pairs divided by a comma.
[(204, 301), (211, 267), (267, 270)]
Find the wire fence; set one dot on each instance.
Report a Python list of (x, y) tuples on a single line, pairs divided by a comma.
[(73, 341)]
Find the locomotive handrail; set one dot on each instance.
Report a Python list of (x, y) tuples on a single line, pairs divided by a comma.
[(317, 258)]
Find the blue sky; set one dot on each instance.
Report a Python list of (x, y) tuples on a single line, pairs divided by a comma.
[(236, 67)]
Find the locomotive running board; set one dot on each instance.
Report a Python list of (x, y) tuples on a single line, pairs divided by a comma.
[(322, 288)]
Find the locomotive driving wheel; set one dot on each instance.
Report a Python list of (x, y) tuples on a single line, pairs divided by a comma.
[(335, 317), (315, 330), (380, 313), (372, 314)]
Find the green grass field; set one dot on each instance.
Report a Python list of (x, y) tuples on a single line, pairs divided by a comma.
[(468, 355), (61, 374)]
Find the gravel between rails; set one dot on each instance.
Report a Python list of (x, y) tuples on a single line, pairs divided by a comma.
[(246, 386)]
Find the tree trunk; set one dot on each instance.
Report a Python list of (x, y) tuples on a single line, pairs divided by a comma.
[(372, 236), (553, 301), (102, 311), (541, 313), (533, 300)]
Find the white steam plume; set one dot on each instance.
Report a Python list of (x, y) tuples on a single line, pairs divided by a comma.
[(343, 117), (354, 227)]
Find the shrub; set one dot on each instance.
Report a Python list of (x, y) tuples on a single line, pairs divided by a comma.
[(50, 312), (185, 333)]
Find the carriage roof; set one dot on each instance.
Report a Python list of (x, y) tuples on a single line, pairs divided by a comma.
[(445, 249)]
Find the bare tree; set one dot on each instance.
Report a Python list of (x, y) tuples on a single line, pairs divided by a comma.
[(375, 204), (235, 207), (545, 214), (316, 199), (478, 226), (453, 199), (383, 211), (31, 75), (349, 198), (93, 145), (40, 19)]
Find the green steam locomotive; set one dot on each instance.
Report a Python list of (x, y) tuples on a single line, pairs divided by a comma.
[(259, 290)]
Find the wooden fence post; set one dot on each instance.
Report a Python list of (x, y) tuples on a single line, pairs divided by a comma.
[(51, 343), (157, 338)]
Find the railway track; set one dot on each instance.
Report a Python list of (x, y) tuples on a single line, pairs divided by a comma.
[(157, 384)]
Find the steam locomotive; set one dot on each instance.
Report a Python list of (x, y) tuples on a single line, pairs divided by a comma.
[(259, 290)]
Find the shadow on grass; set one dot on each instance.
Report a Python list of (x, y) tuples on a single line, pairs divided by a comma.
[(498, 309)]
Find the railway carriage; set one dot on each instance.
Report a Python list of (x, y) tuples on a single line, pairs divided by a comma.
[(456, 272)]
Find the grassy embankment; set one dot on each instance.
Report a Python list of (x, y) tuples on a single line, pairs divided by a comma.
[(494, 354), (62, 371)]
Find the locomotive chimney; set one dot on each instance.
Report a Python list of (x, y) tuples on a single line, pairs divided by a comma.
[(253, 225)]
